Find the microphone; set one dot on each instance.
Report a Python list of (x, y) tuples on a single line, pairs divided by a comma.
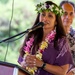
[(39, 25)]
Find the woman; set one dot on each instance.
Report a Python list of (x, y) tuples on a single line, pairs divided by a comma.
[(45, 51)]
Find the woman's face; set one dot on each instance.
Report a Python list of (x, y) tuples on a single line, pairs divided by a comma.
[(49, 20)]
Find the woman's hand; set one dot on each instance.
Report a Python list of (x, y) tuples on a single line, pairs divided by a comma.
[(32, 61)]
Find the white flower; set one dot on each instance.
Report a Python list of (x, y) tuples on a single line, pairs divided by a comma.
[(52, 6), (44, 6), (57, 9), (60, 11)]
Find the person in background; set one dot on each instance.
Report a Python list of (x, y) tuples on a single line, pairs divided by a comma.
[(45, 50), (67, 20), (73, 4)]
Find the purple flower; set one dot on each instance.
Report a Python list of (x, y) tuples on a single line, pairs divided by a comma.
[(26, 49), (47, 6), (28, 44), (31, 40)]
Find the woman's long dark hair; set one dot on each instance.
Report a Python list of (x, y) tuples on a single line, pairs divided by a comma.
[(38, 34)]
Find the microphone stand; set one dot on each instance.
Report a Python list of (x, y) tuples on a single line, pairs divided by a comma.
[(27, 31), (14, 36)]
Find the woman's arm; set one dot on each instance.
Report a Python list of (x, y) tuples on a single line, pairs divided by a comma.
[(32, 61), (57, 70), (70, 73)]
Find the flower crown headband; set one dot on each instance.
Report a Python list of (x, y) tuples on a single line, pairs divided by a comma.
[(53, 8)]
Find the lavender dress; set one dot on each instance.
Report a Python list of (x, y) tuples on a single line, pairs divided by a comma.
[(59, 56)]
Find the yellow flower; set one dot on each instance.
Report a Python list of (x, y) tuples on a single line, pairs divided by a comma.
[(39, 55), (44, 45), (26, 53), (31, 70)]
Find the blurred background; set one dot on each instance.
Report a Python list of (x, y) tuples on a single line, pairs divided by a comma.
[(16, 16)]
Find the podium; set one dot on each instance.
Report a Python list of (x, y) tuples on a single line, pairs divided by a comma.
[(12, 69)]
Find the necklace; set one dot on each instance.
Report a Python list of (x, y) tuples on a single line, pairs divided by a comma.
[(43, 46)]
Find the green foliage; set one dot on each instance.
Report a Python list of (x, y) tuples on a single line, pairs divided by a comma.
[(4, 1)]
